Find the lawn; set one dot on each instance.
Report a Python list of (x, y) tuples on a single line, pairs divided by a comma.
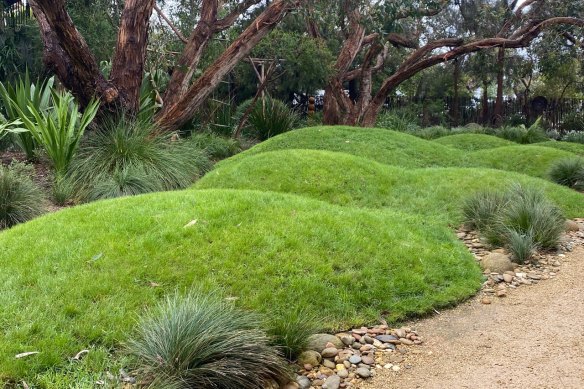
[(575, 148), (532, 160), (400, 149), (473, 142), (95, 268), (385, 146), (352, 224), (353, 181)]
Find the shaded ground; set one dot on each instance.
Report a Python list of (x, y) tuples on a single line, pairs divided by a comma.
[(534, 338)]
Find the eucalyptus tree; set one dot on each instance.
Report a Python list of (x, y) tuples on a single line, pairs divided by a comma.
[(68, 55), (375, 32)]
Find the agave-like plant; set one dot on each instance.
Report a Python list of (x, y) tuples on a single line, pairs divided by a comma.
[(17, 98), (59, 130)]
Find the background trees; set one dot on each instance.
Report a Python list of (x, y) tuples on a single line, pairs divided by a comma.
[(374, 32), (372, 49)]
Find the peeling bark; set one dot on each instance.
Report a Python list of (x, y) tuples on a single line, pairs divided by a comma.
[(128, 64)]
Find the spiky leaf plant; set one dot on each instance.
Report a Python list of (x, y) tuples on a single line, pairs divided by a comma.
[(16, 99)]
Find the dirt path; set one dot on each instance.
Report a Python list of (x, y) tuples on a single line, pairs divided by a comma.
[(534, 338)]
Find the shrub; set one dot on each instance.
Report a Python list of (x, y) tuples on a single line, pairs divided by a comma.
[(520, 134), (290, 332), (574, 137), (401, 121), (20, 199), (217, 147), (59, 129), (521, 245), (17, 98), (535, 133), (267, 119), (198, 341), (433, 132), (10, 128), (127, 157), (481, 210), (514, 134), (573, 122), (568, 172)]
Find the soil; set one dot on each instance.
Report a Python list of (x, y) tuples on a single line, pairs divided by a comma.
[(533, 338)]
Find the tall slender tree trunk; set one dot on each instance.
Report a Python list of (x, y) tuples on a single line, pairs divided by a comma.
[(455, 111), (498, 111), (485, 103)]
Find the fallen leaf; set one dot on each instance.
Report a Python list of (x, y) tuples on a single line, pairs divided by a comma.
[(24, 355), (191, 223), (80, 355)]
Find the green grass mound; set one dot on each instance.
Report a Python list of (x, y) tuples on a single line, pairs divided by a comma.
[(473, 142), (352, 181), (399, 149), (575, 148), (385, 146), (81, 277), (531, 160)]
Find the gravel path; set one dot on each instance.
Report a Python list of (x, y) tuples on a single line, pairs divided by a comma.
[(534, 338)]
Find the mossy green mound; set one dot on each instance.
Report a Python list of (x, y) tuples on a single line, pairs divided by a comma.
[(527, 159), (352, 181), (385, 146), (81, 277), (473, 142), (399, 149), (575, 148)]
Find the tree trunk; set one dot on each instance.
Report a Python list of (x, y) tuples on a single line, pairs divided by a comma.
[(455, 110), (67, 54), (335, 98), (174, 116), (191, 55), (128, 64), (498, 111), (485, 103)]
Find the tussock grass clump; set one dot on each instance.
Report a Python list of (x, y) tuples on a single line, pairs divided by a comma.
[(529, 212), (290, 331), (568, 172), (128, 157), (20, 198), (521, 245), (267, 118), (198, 341), (481, 211), (520, 218)]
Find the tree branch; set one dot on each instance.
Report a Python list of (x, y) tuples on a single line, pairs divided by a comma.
[(175, 115), (228, 20), (170, 24)]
